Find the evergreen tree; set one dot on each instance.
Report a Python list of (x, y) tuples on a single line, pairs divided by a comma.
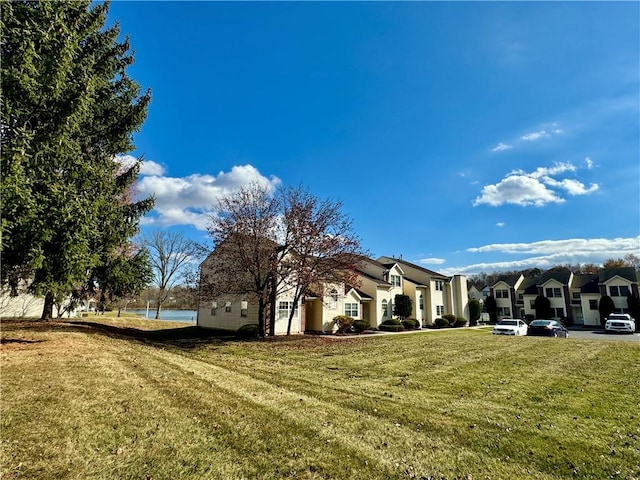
[(402, 306), (475, 310), (606, 307), (542, 306), (491, 306), (68, 109)]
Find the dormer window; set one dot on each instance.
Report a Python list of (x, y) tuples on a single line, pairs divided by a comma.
[(395, 280)]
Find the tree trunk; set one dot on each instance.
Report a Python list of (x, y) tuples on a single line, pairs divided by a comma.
[(261, 317), (47, 310), (158, 310)]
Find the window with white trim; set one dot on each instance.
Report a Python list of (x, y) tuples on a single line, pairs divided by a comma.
[(244, 307), (439, 285), (284, 309), (439, 309), (553, 292), (214, 309), (421, 302), (619, 291), (593, 304), (557, 312), (333, 301), (227, 307), (385, 308), (395, 280), (504, 312), (351, 309), (502, 293)]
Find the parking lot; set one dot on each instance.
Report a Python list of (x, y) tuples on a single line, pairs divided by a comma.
[(602, 335)]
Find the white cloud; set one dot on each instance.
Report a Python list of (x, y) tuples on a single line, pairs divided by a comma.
[(533, 136), (151, 168), (431, 261), (189, 200), (547, 253), (580, 245), (500, 224), (500, 147), (535, 188), (589, 163), (518, 190)]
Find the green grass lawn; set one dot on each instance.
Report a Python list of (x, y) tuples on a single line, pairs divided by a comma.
[(83, 402)]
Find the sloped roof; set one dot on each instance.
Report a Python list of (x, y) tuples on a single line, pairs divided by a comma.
[(413, 281), (581, 279), (413, 265), (560, 276), (628, 273), (509, 279), (529, 286)]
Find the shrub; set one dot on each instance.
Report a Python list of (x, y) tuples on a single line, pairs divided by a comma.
[(441, 322), (449, 318), (391, 328), (343, 322), (410, 324), (392, 321), (361, 325), (248, 331), (460, 322)]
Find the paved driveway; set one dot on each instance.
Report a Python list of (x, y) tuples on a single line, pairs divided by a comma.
[(602, 335)]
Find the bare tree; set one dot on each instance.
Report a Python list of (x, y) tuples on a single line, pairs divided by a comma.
[(171, 255), (321, 244), (270, 242), (244, 229)]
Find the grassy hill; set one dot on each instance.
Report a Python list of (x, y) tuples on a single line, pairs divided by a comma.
[(105, 401)]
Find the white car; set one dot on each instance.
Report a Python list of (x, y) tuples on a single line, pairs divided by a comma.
[(620, 322), (510, 326)]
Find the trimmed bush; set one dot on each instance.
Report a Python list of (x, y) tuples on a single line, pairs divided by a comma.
[(343, 322), (441, 322), (410, 324), (391, 328), (248, 331), (392, 321), (460, 322), (361, 325), (449, 317)]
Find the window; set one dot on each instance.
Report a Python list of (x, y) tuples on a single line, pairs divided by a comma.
[(395, 280), (593, 304), (521, 298), (502, 293), (553, 292), (439, 285), (385, 308), (284, 309), (532, 304), (440, 309), (333, 303), (227, 307), (351, 309), (620, 291), (575, 297), (557, 312), (214, 308), (421, 302), (504, 312), (244, 306)]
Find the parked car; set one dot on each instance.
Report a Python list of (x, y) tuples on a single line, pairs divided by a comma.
[(547, 328), (620, 322), (510, 326)]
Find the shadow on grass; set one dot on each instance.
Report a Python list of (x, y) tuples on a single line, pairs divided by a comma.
[(185, 337), (182, 337)]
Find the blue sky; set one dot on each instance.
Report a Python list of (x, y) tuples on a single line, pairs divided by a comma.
[(464, 136)]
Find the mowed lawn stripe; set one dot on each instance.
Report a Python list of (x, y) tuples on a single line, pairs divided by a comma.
[(80, 404)]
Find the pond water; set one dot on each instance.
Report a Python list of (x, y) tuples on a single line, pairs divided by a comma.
[(173, 315)]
